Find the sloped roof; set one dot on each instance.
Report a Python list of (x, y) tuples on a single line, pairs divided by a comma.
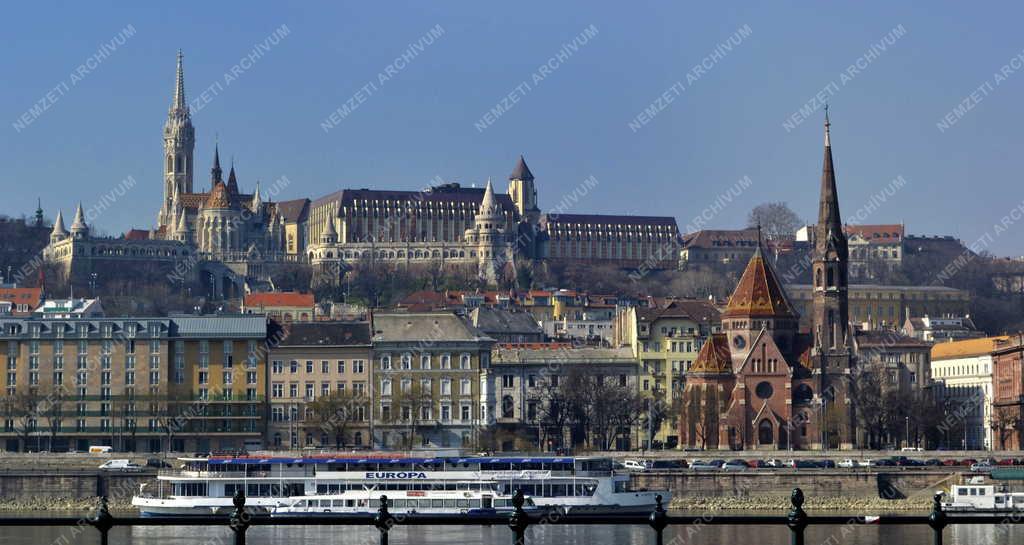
[(697, 310), (293, 211), (966, 348), (421, 326), (877, 234), (759, 292), (876, 338), (609, 219), (279, 299), (714, 356), (492, 320), (521, 171), (326, 334), (236, 325)]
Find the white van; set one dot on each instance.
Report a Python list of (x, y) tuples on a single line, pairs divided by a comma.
[(119, 465), (634, 465), (99, 449)]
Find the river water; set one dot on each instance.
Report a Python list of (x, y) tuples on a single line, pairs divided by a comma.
[(553, 535)]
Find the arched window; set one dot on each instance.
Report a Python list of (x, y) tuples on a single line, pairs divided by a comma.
[(817, 278), (170, 163), (765, 433)]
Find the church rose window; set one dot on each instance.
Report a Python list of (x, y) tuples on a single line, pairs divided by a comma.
[(764, 390)]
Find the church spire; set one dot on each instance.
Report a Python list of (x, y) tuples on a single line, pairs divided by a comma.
[(216, 172), (179, 87), (232, 180), (830, 224)]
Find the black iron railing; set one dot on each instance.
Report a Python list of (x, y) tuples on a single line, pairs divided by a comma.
[(241, 519)]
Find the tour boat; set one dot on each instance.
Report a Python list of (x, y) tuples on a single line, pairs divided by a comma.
[(978, 498), (205, 485)]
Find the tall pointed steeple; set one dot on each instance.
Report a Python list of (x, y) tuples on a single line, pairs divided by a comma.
[(256, 201), (39, 212), (232, 181), (830, 224), (179, 144), (179, 102), (488, 205), (216, 173), (521, 171)]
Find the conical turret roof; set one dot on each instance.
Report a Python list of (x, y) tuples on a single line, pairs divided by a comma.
[(759, 292)]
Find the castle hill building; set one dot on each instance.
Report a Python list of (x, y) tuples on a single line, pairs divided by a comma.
[(876, 306), (762, 384), (963, 373), (1008, 393), (314, 360), (427, 389), (223, 239), (146, 384)]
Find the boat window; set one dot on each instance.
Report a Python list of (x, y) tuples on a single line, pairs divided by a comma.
[(350, 503), (463, 503), (475, 504), (398, 503), (974, 491), (449, 503), (339, 503), (375, 503), (961, 491), (999, 499), (501, 503), (437, 503)]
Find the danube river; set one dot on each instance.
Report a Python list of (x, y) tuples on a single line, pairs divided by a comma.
[(587, 535)]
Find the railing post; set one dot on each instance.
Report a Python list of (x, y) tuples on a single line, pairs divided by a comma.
[(102, 520), (383, 521), (658, 520), (239, 519), (797, 520), (519, 521), (937, 520)]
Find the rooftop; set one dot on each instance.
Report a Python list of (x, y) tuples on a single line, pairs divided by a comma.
[(966, 348)]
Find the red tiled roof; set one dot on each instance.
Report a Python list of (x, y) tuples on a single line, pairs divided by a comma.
[(876, 234), (22, 296), (759, 292), (279, 299)]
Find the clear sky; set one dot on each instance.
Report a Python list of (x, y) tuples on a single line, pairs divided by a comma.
[(70, 135)]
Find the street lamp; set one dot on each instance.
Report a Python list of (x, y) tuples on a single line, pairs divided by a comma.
[(907, 418)]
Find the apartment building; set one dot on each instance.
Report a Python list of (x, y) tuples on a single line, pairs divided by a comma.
[(427, 389), (320, 361)]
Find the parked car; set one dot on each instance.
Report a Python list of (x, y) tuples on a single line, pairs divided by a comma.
[(911, 449), (634, 465), (706, 465), (982, 467), (773, 462), (667, 464), (1005, 462), (120, 465), (847, 464), (933, 462), (828, 464), (968, 462), (157, 463), (735, 465), (883, 462), (908, 462), (805, 464), (950, 462)]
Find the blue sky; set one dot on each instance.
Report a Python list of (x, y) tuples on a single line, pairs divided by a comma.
[(423, 122)]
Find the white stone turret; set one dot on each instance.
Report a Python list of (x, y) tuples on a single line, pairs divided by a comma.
[(330, 235), (79, 229), (59, 233)]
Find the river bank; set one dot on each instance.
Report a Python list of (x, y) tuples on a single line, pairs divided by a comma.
[(778, 504)]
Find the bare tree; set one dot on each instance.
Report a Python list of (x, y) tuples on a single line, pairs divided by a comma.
[(22, 409), (334, 414), (776, 220)]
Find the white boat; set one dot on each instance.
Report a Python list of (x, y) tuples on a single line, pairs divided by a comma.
[(979, 498), (205, 485)]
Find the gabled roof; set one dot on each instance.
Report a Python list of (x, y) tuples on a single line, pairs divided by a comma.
[(293, 211), (714, 356), (759, 292), (696, 310)]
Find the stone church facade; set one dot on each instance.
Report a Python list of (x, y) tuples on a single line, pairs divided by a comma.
[(762, 384)]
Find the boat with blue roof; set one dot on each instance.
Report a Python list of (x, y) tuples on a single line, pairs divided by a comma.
[(329, 484)]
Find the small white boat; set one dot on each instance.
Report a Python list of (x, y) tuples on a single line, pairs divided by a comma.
[(980, 498)]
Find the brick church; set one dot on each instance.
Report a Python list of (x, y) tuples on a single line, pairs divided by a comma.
[(762, 383)]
